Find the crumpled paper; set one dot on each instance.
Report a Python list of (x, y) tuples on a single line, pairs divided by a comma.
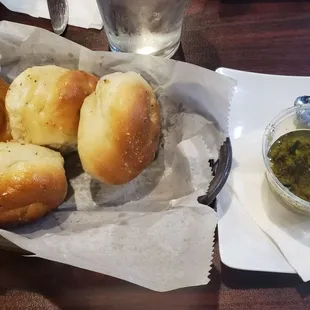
[(247, 123), (151, 231)]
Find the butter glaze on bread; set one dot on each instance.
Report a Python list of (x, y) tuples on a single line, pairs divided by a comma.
[(43, 105), (119, 128), (32, 182), (5, 132)]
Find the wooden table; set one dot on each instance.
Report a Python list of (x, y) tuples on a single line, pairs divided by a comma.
[(262, 37)]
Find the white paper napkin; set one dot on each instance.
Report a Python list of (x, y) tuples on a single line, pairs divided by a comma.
[(82, 13), (259, 98)]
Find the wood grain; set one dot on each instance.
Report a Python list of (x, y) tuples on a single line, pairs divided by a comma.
[(270, 37)]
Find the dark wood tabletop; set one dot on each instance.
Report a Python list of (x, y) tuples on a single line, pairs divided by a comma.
[(270, 37)]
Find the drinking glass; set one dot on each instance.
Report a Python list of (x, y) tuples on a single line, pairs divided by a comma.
[(151, 27)]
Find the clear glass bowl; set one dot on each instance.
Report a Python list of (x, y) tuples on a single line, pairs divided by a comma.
[(295, 118)]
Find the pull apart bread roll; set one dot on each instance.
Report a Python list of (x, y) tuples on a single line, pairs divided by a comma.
[(44, 103), (32, 182), (5, 133), (119, 128)]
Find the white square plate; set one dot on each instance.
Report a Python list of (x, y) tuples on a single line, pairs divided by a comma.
[(243, 245)]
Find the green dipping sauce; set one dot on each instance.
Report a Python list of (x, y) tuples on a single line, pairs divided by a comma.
[(290, 162)]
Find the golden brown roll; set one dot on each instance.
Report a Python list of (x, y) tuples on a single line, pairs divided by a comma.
[(44, 103), (32, 182), (5, 133), (119, 128)]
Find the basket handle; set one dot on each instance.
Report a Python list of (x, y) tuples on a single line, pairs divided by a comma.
[(221, 169)]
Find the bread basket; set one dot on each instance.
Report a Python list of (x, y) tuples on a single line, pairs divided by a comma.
[(220, 167)]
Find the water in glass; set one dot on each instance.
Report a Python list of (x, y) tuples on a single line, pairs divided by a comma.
[(143, 26)]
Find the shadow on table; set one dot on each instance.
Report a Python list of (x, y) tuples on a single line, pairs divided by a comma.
[(68, 287), (241, 279)]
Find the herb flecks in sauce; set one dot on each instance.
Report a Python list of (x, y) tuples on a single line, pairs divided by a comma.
[(290, 162)]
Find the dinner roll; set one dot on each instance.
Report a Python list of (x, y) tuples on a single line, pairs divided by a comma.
[(119, 128), (32, 182), (5, 133), (44, 104)]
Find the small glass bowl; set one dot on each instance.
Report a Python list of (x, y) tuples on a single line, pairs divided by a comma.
[(292, 119)]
